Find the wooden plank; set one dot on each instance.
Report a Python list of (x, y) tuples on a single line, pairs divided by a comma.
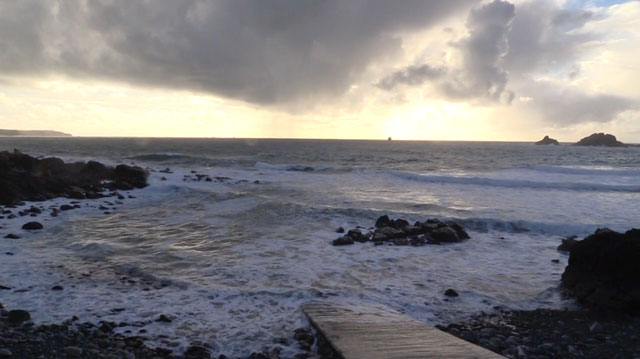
[(383, 333)]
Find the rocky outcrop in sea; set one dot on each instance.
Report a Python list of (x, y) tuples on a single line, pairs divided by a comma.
[(600, 139), (604, 271), (400, 232), (547, 141), (26, 178)]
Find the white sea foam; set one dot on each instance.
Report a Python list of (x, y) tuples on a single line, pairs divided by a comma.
[(232, 260), (518, 183)]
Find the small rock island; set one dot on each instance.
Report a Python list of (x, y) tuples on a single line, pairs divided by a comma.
[(547, 141), (600, 139)]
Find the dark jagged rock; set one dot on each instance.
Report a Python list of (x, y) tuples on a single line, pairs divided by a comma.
[(343, 241), (600, 139), (451, 293), (26, 178), (31, 226), (567, 244), (383, 221), (197, 352), (603, 271), (12, 236), (547, 141), (18, 316), (304, 337), (340, 230), (399, 232)]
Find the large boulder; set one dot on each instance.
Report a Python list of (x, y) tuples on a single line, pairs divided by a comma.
[(604, 271), (547, 141), (135, 176), (600, 139)]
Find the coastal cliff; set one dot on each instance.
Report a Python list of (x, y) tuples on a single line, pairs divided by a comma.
[(35, 133)]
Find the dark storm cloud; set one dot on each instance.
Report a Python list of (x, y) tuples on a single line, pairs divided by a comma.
[(482, 53), (260, 51), (505, 42), (506, 46), (412, 75)]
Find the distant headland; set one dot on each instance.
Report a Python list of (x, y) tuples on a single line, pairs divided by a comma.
[(35, 133)]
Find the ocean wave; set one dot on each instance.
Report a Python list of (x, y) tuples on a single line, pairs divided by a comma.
[(516, 183), (286, 167), (523, 226), (587, 171), (164, 157)]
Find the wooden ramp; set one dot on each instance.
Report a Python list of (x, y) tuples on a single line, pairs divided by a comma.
[(383, 333)]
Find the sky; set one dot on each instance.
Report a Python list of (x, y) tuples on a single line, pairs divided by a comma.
[(415, 70)]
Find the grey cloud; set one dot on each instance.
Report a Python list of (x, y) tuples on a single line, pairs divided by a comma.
[(567, 105), (267, 51), (482, 53), (413, 75), (544, 36), (481, 74)]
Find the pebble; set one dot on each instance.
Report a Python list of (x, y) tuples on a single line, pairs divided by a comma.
[(73, 352)]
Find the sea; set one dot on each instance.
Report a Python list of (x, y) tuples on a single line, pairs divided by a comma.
[(231, 261)]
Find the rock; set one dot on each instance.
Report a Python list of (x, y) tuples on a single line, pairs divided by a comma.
[(390, 232), (357, 236), (23, 177), (76, 194), (399, 223), (57, 287), (567, 244), (34, 209), (18, 316), (135, 176), (30, 226), (340, 230), (402, 241), (451, 293), (383, 221), (5, 353), (603, 271), (418, 241), (66, 207), (547, 141), (445, 234), (73, 352), (197, 352), (12, 236), (595, 327), (304, 337), (343, 241), (164, 319), (600, 139)]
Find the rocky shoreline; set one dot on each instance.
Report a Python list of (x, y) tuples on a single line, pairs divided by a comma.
[(26, 178), (544, 333), (20, 338), (603, 276)]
